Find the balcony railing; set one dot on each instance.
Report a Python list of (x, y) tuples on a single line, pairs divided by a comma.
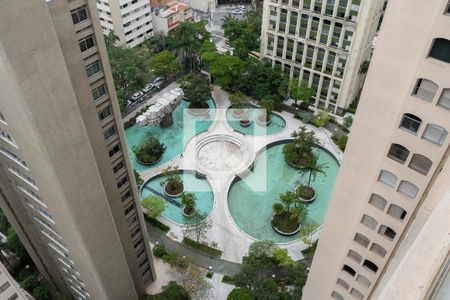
[(425, 94)]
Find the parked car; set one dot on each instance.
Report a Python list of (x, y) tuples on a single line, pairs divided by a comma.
[(242, 8), (158, 84), (137, 95), (129, 103), (157, 79), (238, 12), (148, 88)]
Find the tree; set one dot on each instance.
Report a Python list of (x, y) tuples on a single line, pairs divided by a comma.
[(288, 200), (42, 292), (173, 180), (301, 91), (268, 105), (30, 283), (282, 257), (171, 291), (189, 202), (239, 294), (198, 227), (299, 212), (155, 205), (243, 35), (301, 146), (129, 71), (238, 100), (192, 279), (312, 167), (348, 121), (157, 43), (149, 150), (187, 38), (226, 70), (4, 223), (14, 244), (196, 90), (306, 233), (164, 64), (138, 178)]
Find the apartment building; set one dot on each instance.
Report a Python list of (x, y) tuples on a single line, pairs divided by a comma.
[(66, 184), (323, 42), (171, 16), (129, 20), (386, 234), (9, 288)]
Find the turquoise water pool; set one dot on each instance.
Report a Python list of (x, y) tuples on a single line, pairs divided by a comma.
[(174, 137), (277, 124), (199, 186), (250, 200)]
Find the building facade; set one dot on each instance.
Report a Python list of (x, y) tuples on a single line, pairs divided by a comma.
[(386, 234), (171, 16), (129, 20), (323, 42), (9, 288), (66, 184)]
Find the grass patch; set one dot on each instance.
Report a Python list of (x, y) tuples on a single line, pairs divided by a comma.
[(228, 279), (203, 248), (156, 223)]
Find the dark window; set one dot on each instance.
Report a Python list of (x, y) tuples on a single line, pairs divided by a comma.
[(118, 167), (370, 265), (104, 113), (349, 270), (387, 232), (398, 153), (420, 163), (441, 50), (79, 14), (109, 132), (86, 43), (99, 92), (410, 122), (129, 209), (93, 68), (125, 196), (114, 150), (122, 181)]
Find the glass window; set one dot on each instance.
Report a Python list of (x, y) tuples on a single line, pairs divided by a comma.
[(441, 50), (435, 134), (79, 14), (408, 189), (93, 69), (104, 113), (420, 163), (444, 100), (388, 178), (109, 132), (425, 89), (99, 92), (398, 153), (86, 43)]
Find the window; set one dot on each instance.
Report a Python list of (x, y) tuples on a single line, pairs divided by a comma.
[(118, 167), (342, 283), (109, 132), (355, 256), (435, 134), (398, 153), (125, 196), (408, 189), (410, 122), (377, 249), (13, 297), (396, 212), (357, 294), (337, 296), (361, 239), (447, 9), (104, 113), (122, 181), (363, 280), (370, 265), (377, 201), (99, 92), (369, 222), (425, 89), (86, 43), (387, 232), (129, 209), (79, 14), (441, 50), (388, 178), (444, 100), (93, 69), (114, 150), (420, 163), (349, 270), (4, 287)]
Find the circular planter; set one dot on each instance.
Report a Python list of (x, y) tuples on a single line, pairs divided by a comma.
[(150, 164), (245, 123), (282, 232), (198, 111), (262, 121), (173, 195), (311, 200), (237, 112), (188, 215)]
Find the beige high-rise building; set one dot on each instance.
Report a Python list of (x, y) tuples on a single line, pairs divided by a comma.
[(9, 288), (129, 20), (387, 231), (66, 182), (322, 42)]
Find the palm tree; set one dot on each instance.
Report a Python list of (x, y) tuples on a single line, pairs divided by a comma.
[(288, 199), (268, 105), (189, 201), (299, 212), (311, 166)]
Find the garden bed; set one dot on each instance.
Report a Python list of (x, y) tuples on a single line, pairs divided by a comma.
[(213, 252), (157, 224), (174, 189), (283, 224), (306, 194)]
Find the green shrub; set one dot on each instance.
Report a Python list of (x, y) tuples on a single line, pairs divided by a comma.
[(171, 291), (239, 294), (155, 223), (159, 250), (209, 274), (206, 249), (228, 279), (42, 292), (149, 150), (340, 141), (348, 121), (322, 119), (304, 105), (30, 283)]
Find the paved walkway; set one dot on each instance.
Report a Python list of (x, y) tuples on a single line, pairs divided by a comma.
[(225, 233)]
